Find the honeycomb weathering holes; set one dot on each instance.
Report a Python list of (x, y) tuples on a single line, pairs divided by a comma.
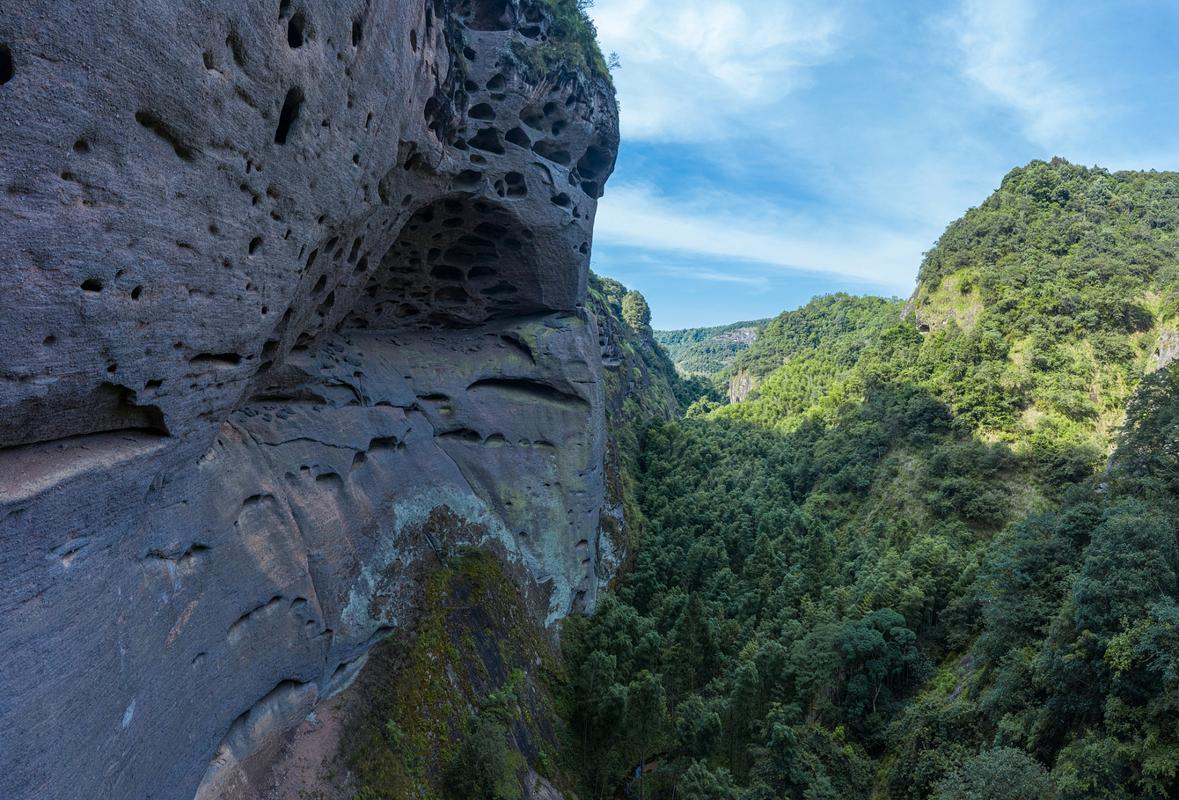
[(488, 140), (486, 15), (518, 137), (482, 111), (458, 261)]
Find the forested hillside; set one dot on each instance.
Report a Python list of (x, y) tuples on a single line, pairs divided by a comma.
[(705, 351), (804, 357), (932, 555)]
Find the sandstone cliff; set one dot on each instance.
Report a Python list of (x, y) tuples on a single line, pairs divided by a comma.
[(293, 305)]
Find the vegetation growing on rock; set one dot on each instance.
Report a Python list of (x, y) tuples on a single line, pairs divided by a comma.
[(464, 700), (804, 359), (572, 42), (641, 386), (635, 311)]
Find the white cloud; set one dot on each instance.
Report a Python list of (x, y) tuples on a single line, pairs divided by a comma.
[(691, 68), (1001, 43), (736, 230), (715, 276), (841, 136)]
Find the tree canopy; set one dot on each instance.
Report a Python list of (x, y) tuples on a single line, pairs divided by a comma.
[(933, 553)]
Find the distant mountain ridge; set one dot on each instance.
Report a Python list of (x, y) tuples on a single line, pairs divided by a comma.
[(707, 351), (803, 352)]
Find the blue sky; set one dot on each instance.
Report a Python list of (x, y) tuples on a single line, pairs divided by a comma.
[(777, 149)]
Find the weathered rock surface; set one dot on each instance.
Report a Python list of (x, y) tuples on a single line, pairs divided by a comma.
[(740, 385), (292, 304), (1167, 349)]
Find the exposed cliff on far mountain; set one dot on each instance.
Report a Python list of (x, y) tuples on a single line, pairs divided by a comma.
[(294, 312), (706, 351)]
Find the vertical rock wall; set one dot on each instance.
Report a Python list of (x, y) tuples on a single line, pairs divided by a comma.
[(292, 304)]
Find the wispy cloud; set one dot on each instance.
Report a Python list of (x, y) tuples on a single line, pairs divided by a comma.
[(821, 144), (714, 276), (689, 67), (1000, 43), (730, 228)]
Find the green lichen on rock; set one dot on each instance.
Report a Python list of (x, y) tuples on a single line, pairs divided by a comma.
[(465, 695)]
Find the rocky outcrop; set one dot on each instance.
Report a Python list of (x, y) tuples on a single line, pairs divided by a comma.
[(740, 385), (293, 304), (1167, 349)]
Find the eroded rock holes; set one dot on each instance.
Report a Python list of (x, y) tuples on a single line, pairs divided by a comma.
[(482, 111), (488, 140), (297, 30), (289, 115), (457, 262), (486, 15), (161, 129), (518, 137), (7, 69)]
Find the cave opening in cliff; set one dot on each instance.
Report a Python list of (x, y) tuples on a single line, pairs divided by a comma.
[(458, 261)]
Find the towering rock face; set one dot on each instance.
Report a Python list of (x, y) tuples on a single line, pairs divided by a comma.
[(292, 305)]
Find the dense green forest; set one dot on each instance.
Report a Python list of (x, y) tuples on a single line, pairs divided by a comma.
[(933, 553)]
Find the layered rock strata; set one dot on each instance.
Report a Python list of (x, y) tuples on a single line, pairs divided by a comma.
[(293, 304)]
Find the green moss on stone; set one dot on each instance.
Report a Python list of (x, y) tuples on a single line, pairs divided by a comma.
[(473, 638)]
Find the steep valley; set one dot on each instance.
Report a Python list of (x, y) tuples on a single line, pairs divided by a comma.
[(931, 553), (330, 471)]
